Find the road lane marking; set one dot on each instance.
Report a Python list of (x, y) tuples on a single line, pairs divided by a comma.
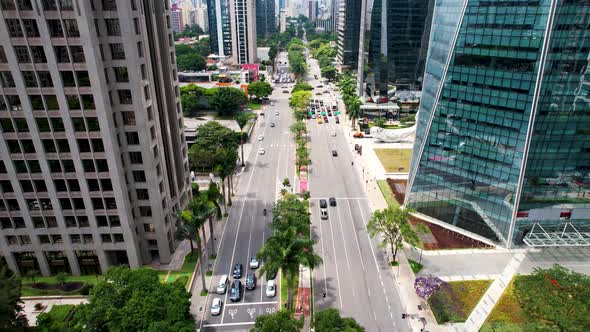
[(323, 255), (355, 235), (248, 257), (340, 198), (343, 240), (228, 324), (262, 277), (337, 273)]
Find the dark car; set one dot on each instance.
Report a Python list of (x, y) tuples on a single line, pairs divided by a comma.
[(271, 274), (235, 292), (337, 120), (334, 153), (250, 281), (323, 204), (238, 270), (332, 201)]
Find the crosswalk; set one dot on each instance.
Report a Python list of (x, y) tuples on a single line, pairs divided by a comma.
[(278, 188)]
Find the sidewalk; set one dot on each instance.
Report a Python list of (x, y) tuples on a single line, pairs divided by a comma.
[(48, 302), (303, 302)]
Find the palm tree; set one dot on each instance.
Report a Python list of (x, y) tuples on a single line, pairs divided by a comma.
[(353, 109), (242, 120), (185, 230), (287, 251), (213, 197)]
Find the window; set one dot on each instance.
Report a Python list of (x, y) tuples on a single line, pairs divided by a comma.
[(44, 239), (73, 102), (142, 194), (143, 74), (88, 102), (102, 221), (3, 55), (19, 222), (67, 78), (60, 185), (117, 52), (40, 186), (30, 79), (125, 97), (21, 126), (11, 240), (92, 185), (92, 124), (49, 4), (133, 5), (22, 54), (110, 203), (118, 237), (139, 176), (97, 144), (14, 27), (25, 239), (106, 238), (88, 165), (78, 124), (109, 5), (20, 166), (37, 102), (55, 28), (102, 165), (136, 26), (27, 186), (87, 238), (121, 74), (106, 184), (132, 138), (113, 28), (6, 125), (79, 205), (54, 166), (145, 211), (61, 54), (13, 146), (115, 221), (75, 238), (56, 238), (24, 5), (73, 185), (97, 204), (38, 54), (146, 92), (6, 186), (77, 54), (57, 124), (71, 27), (48, 144), (135, 157), (7, 81), (7, 4), (140, 49), (45, 79), (63, 146), (31, 29), (83, 80), (149, 228), (66, 5)]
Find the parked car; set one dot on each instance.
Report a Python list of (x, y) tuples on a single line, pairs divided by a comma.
[(333, 134), (324, 214), (272, 124), (216, 306), (238, 270), (358, 134), (271, 289), (222, 284), (323, 204), (235, 292), (260, 137), (261, 151), (271, 274)]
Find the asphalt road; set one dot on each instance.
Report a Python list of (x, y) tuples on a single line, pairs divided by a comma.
[(354, 275), (247, 228)]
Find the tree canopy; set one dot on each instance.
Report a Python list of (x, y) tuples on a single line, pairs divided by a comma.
[(393, 225), (290, 211), (211, 138), (135, 300), (259, 89), (301, 86), (227, 101), (299, 102), (556, 297), (190, 62), (329, 320), (12, 316), (329, 72), (278, 321)]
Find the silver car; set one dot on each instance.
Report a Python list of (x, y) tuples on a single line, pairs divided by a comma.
[(216, 306)]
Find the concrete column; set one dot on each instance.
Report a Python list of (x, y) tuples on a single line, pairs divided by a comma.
[(456, 216), (11, 262), (102, 260), (73, 261), (42, 261)]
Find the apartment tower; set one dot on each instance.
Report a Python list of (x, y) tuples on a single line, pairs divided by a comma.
[(502, 150), (243, 31), (93, 160)]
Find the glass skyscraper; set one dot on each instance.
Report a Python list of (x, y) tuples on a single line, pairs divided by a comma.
[(502, 147)]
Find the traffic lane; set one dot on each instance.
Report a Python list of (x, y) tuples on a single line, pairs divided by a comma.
[(237, 314), (322, 164)]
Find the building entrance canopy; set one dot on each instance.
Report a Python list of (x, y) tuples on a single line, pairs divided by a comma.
[(566, 235)]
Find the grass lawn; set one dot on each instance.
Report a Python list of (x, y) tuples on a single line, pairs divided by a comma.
[(387, 193), (455, 302), (416, 267), (55, 319), (89, 280), (507, 312), (393, 159), (254, 105)]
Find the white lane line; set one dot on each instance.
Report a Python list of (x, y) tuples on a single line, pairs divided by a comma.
[(337, 274), (323, 255), (355, 235), (250, 303), (228, 324), (343, 241), (340, 198), (376, 264), (262, 277), (248, 256)]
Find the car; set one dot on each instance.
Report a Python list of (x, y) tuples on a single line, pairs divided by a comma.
[(333, 134), (323, 204), (318, 93), (235, 292), (334, 153), (254, 263), (324, 214), (320, 121), (326, 91), (272, 124), (271, 274), (238, 270), (271, 289), (216, 306), (261, 151), (337, 120), (262, 113), (250, 281), (222, 284), (314, 116), (260, 137), (276, 112), (332, 201), (358, 134), (319, 86), (272, 103), (285, 91)]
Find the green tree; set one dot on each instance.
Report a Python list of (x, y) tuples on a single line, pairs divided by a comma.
[(12, 316), (259, 89), (186, 231), (329, 72), (227, 101), (288, 250), (211, 137), (299, 102), (393, 225), (190, 62), (301, 86), (242, 120), (61, 278), (190, 104), (556, 297), (278, 321), (135, 300), (183, 49), (288, 212), (353, 108), (379, 122), (202, 47), (329, 320), (298, 127)]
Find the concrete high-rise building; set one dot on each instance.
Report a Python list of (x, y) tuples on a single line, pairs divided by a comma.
[(176, 18), (283, 20), (265, 18), (220, 33), (243, 30), (201, 18), (397, 37), (503, 140), (349, 25), (93, 159)]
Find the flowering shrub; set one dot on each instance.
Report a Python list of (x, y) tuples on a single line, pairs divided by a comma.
[(427, 285)]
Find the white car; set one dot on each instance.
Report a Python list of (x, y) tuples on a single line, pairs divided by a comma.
[(272, 103), (271, 289), (277, 113), (260, 137), (216, 306), (333, 134), (254, 263), (261, 151)]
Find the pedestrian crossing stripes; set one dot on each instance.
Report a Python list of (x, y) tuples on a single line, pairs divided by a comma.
[(278, 188)]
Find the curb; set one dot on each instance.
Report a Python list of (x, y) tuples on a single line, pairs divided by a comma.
[(54, 297)]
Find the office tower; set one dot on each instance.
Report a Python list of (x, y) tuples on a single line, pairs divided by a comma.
[(201, 18), (93, 161), (503, 140), (265, 18), (220, 35), (397, 33), (335, 13), (243, 31), (176, 18), (349, 24), (283, 20)]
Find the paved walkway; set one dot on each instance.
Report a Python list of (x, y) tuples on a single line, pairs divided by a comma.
[(47, 302), (303, 302)]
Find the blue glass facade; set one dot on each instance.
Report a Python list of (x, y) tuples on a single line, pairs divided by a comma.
[(503, 137)]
